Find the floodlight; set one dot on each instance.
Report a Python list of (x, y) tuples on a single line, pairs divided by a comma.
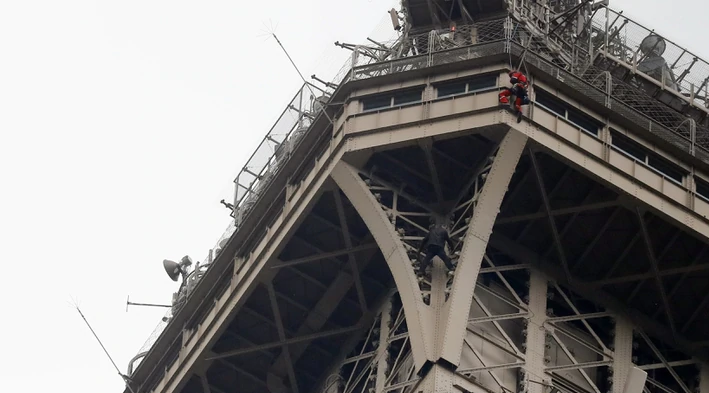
[(172, 268)]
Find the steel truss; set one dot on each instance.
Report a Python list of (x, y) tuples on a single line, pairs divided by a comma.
[(516, 341)]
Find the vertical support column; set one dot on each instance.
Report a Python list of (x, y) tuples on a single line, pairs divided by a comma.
[(623, 353), (704, 378), (536, 333), (383, 364)]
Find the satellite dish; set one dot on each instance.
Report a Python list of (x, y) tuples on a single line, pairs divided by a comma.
[(653, 44), (172, 268)]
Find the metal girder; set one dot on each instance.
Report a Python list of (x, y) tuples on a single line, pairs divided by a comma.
[(495, 323), (282, 335), (625, 252), (241, 371), (704, 378), (482, 361), (434, 173), (587, 251), (536, 333), (418, 315), (583, 321), (622, 353), (579, 317), (441, 379), (453, 318), (547, 209), (521, 253), (511, 196), (325, 255), (557, 212), (294, 340), (384, 333), (455, 161), (350, 256), (579, 366), (568, 225), (224, 307), (656, 270), (350, 344), (659, 258), (645, 276), (317, 317), (551, 192), (677, 363), (696, 313), (657, 353), (267, 320), (680, 282), (205, 384)]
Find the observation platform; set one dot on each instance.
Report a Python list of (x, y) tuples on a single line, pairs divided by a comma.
[(581, 233)]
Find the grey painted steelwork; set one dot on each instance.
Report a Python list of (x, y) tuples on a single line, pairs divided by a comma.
[(572, 252)]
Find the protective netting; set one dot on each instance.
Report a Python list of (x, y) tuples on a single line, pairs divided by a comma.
[(274, 149), (569, 60), (635, 45)]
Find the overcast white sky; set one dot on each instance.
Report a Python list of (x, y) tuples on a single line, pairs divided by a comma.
[(122, 125)]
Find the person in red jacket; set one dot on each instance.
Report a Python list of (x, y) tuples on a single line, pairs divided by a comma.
[(519, 90)]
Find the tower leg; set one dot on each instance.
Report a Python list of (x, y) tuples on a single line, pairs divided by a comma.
[(623, 353), (534, 380)]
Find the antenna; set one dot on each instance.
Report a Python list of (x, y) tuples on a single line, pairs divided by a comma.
[(125, 378), (301, 76), (129, 303)]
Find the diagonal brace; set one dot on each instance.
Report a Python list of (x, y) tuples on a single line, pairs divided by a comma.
[(552, 222), (655, 270)]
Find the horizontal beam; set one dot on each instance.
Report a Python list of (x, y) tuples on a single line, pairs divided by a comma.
[(572, 145), (502, 317), (678, 363), (580, 366), (648, 275), (556, 212), (579, 317), (490, 368), (504, 268), (325, 255), (308, 337)]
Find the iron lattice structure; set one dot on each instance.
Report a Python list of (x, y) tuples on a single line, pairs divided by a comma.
[(576, 231)]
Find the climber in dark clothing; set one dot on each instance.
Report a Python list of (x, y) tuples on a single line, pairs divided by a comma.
[(435, 246)]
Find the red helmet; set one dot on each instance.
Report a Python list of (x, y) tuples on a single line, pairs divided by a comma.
[(513, 76)]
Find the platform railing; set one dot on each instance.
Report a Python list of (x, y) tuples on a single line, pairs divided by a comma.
[(435, 48)]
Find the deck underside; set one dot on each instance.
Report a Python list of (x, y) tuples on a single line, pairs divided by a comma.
[(332, 278)]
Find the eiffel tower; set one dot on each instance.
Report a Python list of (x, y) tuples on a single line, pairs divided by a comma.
[(580, 231)]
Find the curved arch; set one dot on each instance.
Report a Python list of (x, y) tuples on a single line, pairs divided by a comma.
[(418, 315), (454, 316)]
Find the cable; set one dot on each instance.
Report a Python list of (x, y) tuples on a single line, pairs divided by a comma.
[(324, 110), (124, 377)]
